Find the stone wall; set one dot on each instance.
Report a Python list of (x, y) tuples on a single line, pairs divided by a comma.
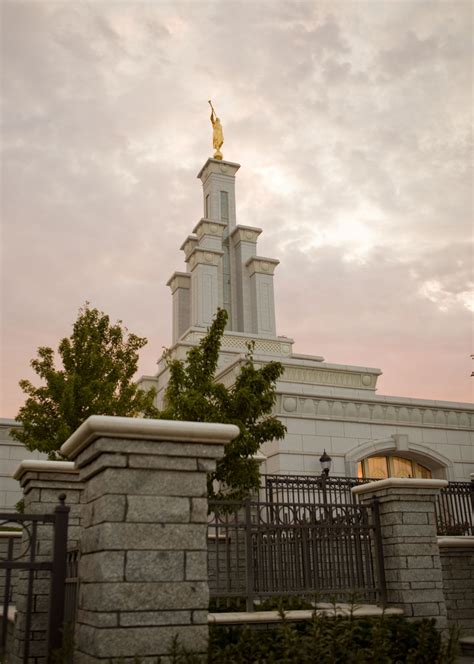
[(143, 565), (410, 549), (457, 564)]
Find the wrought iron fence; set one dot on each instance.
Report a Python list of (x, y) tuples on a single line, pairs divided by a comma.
[(455, 509), (454, 504), (261, 549), (31, 562), (71, 594), (310, 489)]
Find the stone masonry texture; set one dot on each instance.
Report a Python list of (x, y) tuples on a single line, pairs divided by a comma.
[(411, 554), (457, 566), (143, 565)]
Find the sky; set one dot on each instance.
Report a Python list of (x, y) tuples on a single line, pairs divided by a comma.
[(352, 122)]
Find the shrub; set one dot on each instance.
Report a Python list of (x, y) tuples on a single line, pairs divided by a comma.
[(328, 640)]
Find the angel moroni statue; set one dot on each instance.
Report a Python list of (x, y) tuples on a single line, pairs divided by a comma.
[(217, 134)]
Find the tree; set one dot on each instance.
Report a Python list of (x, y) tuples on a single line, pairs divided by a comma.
[(193, 395), (99, 361)]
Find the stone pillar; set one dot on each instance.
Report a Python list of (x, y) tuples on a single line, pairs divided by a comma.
[(206, 291), (457, 564), (410, 546), (42, 483), (143, 566), (180, 284), (260, 271)]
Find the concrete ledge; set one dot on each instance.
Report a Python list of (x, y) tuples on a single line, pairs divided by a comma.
[(399, 483), (456, 542), (345, 610), (105, 426), (39, 466)]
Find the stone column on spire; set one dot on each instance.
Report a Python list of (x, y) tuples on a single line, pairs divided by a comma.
[(243, 247), (262, 299), (205, 291), (180, 284)]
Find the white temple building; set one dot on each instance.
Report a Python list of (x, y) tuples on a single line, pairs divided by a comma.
[(324, 406)]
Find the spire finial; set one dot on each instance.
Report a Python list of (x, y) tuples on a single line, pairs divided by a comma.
[(217, 133)]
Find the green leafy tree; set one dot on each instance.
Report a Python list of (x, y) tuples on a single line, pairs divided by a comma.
[(99, 361), (193, 395)]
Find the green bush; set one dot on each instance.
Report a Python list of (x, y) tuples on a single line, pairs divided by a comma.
[(327, 640)]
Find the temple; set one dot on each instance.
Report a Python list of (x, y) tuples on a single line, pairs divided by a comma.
[(325, 406)]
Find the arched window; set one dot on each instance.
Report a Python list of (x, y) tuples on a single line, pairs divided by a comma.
[(379, 467)]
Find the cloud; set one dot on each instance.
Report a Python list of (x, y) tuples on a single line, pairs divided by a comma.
[(352, 125)]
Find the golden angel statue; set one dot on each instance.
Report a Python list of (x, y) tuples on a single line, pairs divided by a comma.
[(217, 134)]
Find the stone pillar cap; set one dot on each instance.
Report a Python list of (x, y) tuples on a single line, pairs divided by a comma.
[(106, 426), (456, 542), (220, 166), (43, 466), (399, 483)]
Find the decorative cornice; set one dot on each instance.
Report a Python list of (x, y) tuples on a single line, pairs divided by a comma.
[(245, 234), (188, 245), (209, 227), (261, 265), (105, 426), (179, 280), (373, 411), (43, 466), (200, 256), (217, 167)]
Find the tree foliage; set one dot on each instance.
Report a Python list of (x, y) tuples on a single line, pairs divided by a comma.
[(193, 395), (99, 360)]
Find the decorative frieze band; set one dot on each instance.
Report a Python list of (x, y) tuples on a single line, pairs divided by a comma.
[(245, 234), (357, 380), (205, 257), (217, 167), (188, 246), (179, 280), (333, 409), (261, 265), (208, 227)]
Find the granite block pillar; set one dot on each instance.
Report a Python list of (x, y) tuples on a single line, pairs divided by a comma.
[(411, 554), (457, 564), (143, 566), (42, 482)]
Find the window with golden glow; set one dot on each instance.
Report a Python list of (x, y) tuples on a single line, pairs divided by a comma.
[(380, 467)]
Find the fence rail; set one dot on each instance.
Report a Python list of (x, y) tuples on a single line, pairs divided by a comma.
[(310, 489), (455, 509), (454, 504), (261, 549)]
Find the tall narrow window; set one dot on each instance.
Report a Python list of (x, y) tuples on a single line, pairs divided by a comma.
[(207, 207), (224, 206)]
